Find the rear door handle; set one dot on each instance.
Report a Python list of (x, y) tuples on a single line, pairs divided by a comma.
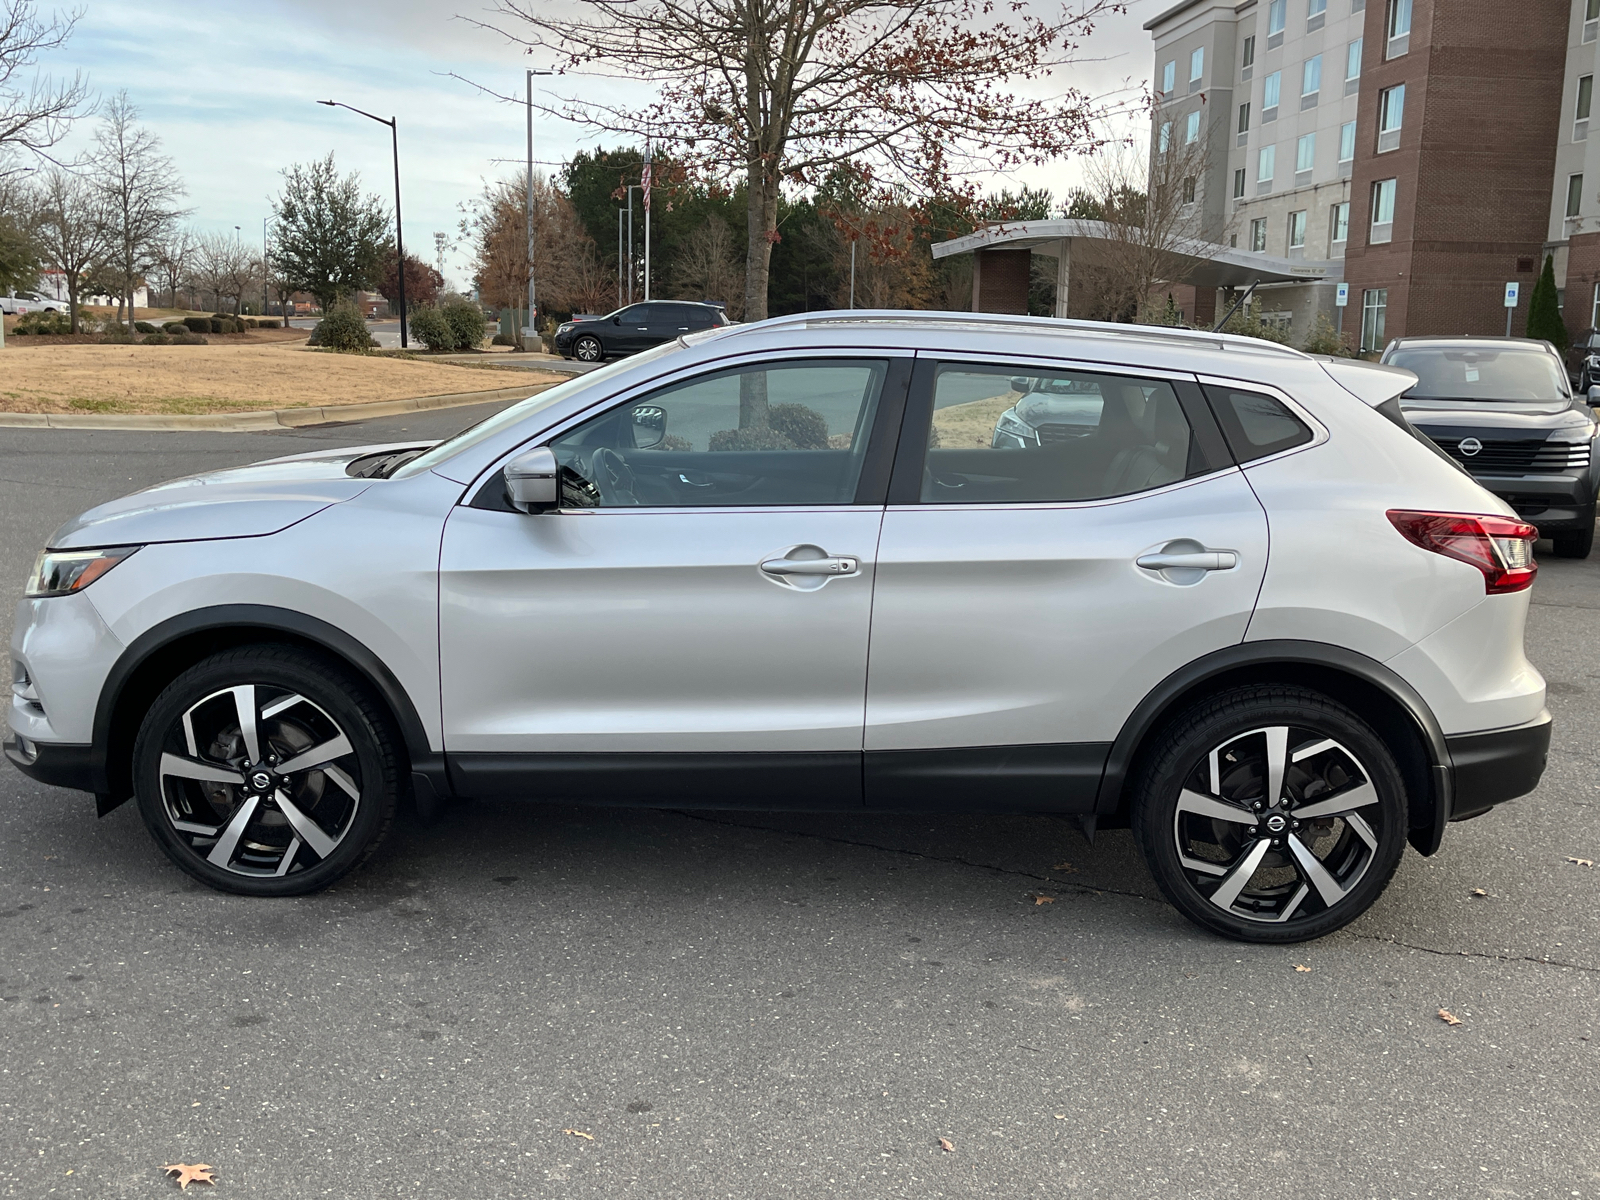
[(1202, 560), (837, 565)]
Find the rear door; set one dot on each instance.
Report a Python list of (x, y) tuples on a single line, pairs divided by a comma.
[(1057, 541)]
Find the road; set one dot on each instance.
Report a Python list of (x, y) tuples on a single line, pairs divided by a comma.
[(755, 1005)]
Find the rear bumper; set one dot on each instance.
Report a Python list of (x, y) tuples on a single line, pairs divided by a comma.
[(1491, 768)]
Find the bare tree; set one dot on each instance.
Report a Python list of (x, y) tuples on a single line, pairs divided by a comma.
[(769, 92), (227, 270), (172, 261), (35, 113), (141, 187), (74, 230), (708, 266)]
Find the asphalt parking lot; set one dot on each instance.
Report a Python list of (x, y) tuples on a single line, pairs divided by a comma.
[(533, 1001)]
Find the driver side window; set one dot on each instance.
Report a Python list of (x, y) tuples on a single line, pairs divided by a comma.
[(790, 433)]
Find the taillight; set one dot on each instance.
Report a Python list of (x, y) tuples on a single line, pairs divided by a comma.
[(1498, 546)]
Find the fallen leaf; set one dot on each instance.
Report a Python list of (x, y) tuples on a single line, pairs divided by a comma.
[(1479, 892), (1038, 900), (1302, 968), (946, 1144), (1060, 1116), (588, 1137), (1582, 862), (187, 1173), (1067, 867), (1448, 1017)]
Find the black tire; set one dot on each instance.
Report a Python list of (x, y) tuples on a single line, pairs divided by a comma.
[(291, 832), (1196, 856), (588, 349), (1576, 544)]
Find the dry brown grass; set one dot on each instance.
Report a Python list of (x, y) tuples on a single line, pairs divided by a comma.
[(970, 426), (222, 378)]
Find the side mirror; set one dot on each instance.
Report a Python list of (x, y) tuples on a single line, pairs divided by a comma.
[(1594, 395), (531, 480), (1020, 385), (649, 426), (616, 320)]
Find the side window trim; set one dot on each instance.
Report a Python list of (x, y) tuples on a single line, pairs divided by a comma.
[(1319, 432)]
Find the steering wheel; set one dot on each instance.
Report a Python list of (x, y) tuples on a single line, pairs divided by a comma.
[(611, 474)]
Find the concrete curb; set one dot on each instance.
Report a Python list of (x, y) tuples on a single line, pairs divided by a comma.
[(256, 422)]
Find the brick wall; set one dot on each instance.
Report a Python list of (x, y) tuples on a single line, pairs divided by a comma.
[(1474, 167), (1583, 274)]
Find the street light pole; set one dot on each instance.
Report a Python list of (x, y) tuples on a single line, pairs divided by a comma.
[(266, 268), (533, 320), (399, 240)]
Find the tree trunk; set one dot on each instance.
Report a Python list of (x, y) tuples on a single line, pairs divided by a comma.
[(72, 299), (761, 222)]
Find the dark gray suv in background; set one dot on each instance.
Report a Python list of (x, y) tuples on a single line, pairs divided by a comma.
[(1505, 410)]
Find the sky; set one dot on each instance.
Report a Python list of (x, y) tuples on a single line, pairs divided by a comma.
[(231, 93)]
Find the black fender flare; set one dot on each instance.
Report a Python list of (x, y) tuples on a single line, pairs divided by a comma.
[(265, 620), (1427, 824)]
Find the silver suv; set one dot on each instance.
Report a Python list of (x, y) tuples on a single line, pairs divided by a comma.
[(816, 563)]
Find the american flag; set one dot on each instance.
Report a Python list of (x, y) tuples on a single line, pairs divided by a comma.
[(645, 178)]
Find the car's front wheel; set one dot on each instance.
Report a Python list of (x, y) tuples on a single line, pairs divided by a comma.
[(588, 349), (1271, 814), (266, 771)]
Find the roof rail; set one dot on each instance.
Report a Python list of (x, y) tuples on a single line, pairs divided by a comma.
[(1167, 333)]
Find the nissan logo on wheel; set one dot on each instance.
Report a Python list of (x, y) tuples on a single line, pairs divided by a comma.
[(1470, 446)]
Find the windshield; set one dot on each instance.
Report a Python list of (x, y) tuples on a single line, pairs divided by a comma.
[(1475, 373), (523, 409)]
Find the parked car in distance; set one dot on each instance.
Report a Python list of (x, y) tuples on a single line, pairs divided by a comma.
[(27, 302), (1505, 410), (790, 565), (1583, 360), (634, 328)]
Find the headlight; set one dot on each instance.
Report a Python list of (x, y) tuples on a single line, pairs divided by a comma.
[(1014, 426), (61, 572)]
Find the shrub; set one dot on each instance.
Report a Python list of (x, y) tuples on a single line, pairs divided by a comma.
[(1544, 310), (249, 322), (466, 322), (157, 338), (213, 325), (117, 339), (188, 339), (115, 329), (143, 327), (174, 327), (757, 437), (197, 324), (344, 330), (805, 427), (430, 327), (1248, 322), (267, 324), (43, 323), (501, 339), (1325, 339)]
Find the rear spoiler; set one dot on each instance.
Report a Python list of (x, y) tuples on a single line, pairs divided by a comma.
[(1368, 382)]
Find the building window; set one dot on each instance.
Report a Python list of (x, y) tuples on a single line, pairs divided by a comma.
[(1244, 117), (1391, 115), (1574, 194), (1374, 306), (1382, 212), (1311, 77), (1277, 11), (1305, 153), (1197, 64), (1169, 76), (1191, 128), (1352, 60), (1238, 183), (1316, 8), (1164, 143), (1266, 164), (1258, 235), (1580, 117), (1591, 20), (1339, 222), (1271, 86), (1248, 58), (1188, 190), (1399, 27), (1347, 141), (1594, 309), (1297, 230)]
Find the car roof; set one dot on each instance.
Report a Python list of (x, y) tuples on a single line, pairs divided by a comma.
[(1457, 339)]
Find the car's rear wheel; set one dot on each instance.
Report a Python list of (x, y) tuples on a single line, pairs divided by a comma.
[(588, 349), (1270, 814), (266, 771), (1576, 544)]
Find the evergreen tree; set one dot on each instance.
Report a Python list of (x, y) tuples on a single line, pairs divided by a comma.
[(1544, 314)]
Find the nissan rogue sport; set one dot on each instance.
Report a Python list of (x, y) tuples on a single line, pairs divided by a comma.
[(820, 563)]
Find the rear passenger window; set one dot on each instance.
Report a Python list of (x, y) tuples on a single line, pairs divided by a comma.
[(1256, 425), (1024, 436)]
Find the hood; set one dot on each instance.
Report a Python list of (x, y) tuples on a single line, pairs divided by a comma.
[(251, 501), (1506, 419)]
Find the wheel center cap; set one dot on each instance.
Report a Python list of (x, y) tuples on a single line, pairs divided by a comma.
[(1277, 823), (260, 780)]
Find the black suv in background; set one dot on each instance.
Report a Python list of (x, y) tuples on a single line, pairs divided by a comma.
[(634, 328), (1504, 408)]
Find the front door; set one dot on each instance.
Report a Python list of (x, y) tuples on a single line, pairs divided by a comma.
[(1056, 543), (691, 626)]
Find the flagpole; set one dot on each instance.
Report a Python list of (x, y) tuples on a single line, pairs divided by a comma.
[(647, 165)]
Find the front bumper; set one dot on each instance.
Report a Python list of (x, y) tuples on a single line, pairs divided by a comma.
[(59, 764), (1552, 502), (1491, 768)]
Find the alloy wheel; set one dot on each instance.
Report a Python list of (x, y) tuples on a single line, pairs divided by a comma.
[(587, 349), (1278, 824)]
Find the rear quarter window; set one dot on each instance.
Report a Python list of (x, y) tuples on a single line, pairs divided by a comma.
[(1255, 424)]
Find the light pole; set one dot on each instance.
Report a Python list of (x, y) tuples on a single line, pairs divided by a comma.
[(533, 320), (266, 269), (632, 188), (399, 241)]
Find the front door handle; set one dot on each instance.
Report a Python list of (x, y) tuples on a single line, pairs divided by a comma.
[(1203, 560), (836, 565)]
